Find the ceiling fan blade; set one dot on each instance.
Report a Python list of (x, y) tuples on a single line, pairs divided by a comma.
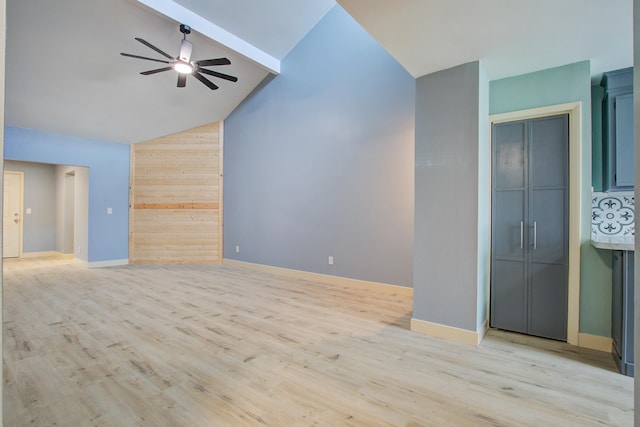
[(182, 80), (149, 45), (144, 57), (216, 61), (219, 75), (185, 51), (157, 70), (204, 80)]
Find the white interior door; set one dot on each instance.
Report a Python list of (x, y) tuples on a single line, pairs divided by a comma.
[(12, 215)]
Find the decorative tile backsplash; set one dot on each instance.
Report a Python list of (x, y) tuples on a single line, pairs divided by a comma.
[(612, 215)]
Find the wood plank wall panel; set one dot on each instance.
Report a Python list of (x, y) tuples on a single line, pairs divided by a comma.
[(176, 198)]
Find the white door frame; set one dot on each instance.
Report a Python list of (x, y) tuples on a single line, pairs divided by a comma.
[(574, 110), (21, 216)]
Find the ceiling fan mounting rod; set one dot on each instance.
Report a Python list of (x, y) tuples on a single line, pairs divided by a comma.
[(185, 29)]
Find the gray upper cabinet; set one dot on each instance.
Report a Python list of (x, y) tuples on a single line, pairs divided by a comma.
[(617, 130)]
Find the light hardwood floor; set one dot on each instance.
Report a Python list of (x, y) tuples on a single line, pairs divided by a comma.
[(226, 346)]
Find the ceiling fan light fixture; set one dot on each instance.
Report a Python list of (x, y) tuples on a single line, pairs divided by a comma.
[(183, 67), (183, 64)]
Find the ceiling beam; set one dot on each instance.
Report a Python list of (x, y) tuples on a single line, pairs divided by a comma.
[(207, 28)]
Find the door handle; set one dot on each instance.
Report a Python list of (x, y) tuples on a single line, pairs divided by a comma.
[(521, 234), (535, 235), (16, 220)]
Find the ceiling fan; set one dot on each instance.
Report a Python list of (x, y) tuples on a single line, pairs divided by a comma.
[(183, 64)]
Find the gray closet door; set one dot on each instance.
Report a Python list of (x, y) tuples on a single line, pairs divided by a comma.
[(508, 268), (529, 287)]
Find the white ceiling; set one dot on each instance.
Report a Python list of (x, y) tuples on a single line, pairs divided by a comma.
[(274, 26), (510, 37), (65, 75)]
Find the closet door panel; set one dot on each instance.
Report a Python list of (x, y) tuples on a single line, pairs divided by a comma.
[(509, 238), (509, 154), (548, 229), (548, 141), (508, 269), (548, 301), (509, 296)]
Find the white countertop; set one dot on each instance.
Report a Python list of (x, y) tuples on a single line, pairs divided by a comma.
[(616, 243)]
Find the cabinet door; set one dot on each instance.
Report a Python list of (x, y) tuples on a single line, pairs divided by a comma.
[(628, 326), (624, 140), (617, 301)]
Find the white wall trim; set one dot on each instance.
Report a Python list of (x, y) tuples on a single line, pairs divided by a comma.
[(450, 333), (109, 263), (325, 278), (595, 342), (574, 110)]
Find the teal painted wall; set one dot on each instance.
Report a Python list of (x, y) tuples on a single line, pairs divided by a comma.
[(569, 83), (597, 94), (598, 322)]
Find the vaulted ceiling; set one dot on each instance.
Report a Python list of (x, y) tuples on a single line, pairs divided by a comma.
[(65, 74)]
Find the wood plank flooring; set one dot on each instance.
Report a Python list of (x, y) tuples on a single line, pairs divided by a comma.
[(225, 346)]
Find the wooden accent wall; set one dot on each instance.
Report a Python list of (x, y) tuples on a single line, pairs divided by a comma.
[(176, 198)]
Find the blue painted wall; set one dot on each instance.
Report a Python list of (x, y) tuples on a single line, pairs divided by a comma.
[(108, 165), (319, 161), (559, 85)]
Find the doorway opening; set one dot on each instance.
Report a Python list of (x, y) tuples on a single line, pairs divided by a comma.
[(69, 209), (54, 211), (12, 216)]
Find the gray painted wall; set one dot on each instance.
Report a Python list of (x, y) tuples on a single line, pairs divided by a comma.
[(446, 196), (319, 162), (39, 196), (484, 199), (78, 246)]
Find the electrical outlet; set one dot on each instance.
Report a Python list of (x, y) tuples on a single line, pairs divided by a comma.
[(330, 260), (237, 248)]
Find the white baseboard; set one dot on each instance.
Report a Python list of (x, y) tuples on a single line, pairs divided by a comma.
[(595, 342), (483, 330), (109, 263), (45, 254), (81, 262), (325, 278), (450, 333)]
